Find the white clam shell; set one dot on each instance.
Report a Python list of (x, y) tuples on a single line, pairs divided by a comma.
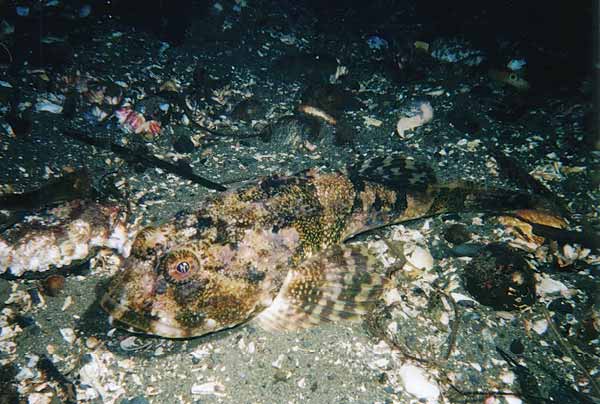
[(420, 258), (418, 383)]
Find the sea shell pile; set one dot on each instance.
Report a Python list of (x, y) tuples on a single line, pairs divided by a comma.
[(134, 122)]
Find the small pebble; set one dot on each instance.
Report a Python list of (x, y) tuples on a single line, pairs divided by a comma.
[(457, 234), (516, 347), (183, 144), (561, 305), (281, 375), (466, 250), (68, 335), (24, 321), (53, 285), (540, 326), (92, 342), (36, 297)]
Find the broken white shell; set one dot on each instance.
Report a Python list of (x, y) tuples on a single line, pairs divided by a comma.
[(68, 335), (214, 388), (47, 106), (548, 286), (540, 326), (420, 258), (418, 383), (133, 343), (419, 114)]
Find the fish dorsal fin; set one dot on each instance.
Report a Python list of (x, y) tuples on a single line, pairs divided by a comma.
[(338, 283), (395, 171)]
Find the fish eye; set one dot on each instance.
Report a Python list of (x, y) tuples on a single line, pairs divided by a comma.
[(179, 266), (183, 267), (513, 77)]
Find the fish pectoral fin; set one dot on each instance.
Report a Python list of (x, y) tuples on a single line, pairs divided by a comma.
[(339, 283)]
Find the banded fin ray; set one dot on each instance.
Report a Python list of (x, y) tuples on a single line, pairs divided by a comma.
[(338, 283)]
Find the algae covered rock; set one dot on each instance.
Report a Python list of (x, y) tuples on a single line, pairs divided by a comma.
[(500, 277)]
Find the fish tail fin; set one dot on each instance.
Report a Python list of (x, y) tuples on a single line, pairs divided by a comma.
[(426, 196), (461, 196)]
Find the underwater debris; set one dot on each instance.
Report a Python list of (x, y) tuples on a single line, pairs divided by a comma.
[(500, 277), (377, 43), (292, 132), (457, 234), (418, 113), (53, 285), (70, 186), (209, 388), (63, 236), (456, 50), (133, 343), (418, 383), (518, 224), (96, 378), (512, 169), (48, 367), (317, 113), (510, 78), (248, 110), (135, 122), (418, 258), (147, 160), (535, 226), (48, 106)]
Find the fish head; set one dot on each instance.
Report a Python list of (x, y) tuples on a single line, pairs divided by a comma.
[(177, 286)]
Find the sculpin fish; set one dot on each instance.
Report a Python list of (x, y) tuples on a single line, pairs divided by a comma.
[(273, 252)]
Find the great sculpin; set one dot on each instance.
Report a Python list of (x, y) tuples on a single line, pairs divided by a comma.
[(273, 252)]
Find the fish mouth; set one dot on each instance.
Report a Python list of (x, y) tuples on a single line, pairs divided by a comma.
[(140, 323)]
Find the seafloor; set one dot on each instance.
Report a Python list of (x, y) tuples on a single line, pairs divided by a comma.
[(242, 75)]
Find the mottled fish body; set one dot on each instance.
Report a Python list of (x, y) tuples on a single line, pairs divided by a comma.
[(274, 253)]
